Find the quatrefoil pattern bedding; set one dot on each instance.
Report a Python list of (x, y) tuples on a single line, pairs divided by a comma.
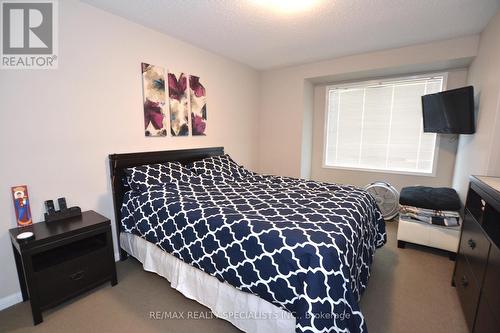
[(219, 167), (304, 246), (145, 176)]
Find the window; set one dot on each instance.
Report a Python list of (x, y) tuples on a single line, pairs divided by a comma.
[(379, 126)]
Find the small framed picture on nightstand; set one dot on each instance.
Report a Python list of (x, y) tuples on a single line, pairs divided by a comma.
[(22, 205)]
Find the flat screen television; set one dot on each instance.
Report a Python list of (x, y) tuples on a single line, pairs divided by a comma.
[(450, 111)]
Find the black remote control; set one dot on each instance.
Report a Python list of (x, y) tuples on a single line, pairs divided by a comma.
[(49, 207), (62, 204)]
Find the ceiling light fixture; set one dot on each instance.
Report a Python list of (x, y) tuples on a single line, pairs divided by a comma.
[(287, 6)]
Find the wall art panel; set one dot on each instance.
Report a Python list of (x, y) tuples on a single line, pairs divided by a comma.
[(153, 87), (198, 99), (179, 104)]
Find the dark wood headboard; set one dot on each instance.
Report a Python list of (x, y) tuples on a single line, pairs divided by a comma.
[(119, 162)]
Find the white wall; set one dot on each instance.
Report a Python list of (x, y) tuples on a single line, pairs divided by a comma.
[(445, 159), (284, 93), (307, 134), (479, 154), (58, 126)]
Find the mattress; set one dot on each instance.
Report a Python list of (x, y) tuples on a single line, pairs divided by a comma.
[(305, 247), (247, 312)]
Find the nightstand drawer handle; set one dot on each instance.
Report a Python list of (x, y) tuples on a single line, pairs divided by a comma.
[(465, 282), (471, 243), (77, 276)]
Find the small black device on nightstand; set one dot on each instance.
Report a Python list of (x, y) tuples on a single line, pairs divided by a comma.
[(63, 259), (49, 207), (62, 204)]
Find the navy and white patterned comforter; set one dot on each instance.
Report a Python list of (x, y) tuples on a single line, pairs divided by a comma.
[(304, 246)]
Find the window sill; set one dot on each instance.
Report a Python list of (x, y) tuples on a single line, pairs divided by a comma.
[(397, 172)]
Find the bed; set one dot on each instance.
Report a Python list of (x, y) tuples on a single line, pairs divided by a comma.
[(266, 253)]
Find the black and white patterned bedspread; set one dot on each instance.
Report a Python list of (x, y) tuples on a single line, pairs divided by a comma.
[(304, 246)]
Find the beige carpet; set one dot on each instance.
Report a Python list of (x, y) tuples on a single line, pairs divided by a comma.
[(409, 291)]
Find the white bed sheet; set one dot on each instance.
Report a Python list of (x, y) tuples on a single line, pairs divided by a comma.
[(246, 311)]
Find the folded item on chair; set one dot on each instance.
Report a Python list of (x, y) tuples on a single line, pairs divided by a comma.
[(436, 217), (436, 198)]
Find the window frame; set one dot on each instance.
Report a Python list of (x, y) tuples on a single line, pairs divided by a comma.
[(375, 82)]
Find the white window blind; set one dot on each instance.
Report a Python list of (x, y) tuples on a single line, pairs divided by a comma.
[(379, 126)]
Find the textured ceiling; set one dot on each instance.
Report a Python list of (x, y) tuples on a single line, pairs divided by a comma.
[(265, 37)]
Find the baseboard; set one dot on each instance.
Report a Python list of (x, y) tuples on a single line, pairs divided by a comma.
[(10, 300)]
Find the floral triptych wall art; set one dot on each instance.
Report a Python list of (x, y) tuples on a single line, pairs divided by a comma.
[(186, 112)]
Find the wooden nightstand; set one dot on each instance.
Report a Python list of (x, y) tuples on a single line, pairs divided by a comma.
[(65, 259)]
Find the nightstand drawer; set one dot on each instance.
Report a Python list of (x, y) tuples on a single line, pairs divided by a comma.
[(486, 320), (64, 280), (475, 246), (491, 286), (468, 290)]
